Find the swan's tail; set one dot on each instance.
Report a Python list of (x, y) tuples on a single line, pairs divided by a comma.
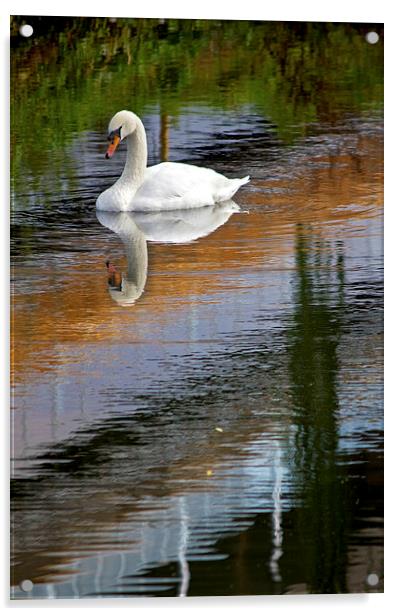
[(242, 181), (231, 187)]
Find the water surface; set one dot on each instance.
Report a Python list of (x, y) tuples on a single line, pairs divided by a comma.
[(216, 427)]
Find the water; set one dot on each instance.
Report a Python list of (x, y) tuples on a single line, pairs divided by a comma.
[(216, 427)]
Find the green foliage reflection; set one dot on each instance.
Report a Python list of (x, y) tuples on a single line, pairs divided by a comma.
[(74, 73)]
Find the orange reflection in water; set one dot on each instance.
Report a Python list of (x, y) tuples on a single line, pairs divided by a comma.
[(71, 305)]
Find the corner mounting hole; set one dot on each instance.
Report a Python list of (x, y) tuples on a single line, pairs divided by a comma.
[(26, 30), (26, 585), (372, 37), (372, 579)]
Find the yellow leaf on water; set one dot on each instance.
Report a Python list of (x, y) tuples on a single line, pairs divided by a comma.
[(209, 473), (218, 429)]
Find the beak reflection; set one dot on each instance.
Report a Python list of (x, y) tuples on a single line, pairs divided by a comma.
[(114, 276)]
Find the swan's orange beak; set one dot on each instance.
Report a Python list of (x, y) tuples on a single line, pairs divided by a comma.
[(113, 146)]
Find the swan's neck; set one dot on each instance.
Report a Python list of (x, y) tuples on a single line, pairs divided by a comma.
[(136, 159)]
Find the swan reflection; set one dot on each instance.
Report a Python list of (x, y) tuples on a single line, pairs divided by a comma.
[(136, 228)]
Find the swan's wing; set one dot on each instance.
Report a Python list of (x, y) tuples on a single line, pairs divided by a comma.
[(177, 181), (173, 186)]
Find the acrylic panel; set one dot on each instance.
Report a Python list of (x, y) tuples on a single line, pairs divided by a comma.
[(197, 364)]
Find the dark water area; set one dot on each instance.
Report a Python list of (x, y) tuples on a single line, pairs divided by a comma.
[(214, 427)]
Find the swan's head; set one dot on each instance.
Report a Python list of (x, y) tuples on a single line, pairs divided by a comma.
[(121, 125)]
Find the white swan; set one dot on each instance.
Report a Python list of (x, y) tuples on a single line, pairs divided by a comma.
[(167, 186)]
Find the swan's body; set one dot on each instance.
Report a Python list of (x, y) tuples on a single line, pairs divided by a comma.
[(167, 186)]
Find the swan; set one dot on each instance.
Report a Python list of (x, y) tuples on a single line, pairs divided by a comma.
[(166, 186)]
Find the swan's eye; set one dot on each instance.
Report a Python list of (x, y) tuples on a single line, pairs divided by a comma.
[(114, 133)]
